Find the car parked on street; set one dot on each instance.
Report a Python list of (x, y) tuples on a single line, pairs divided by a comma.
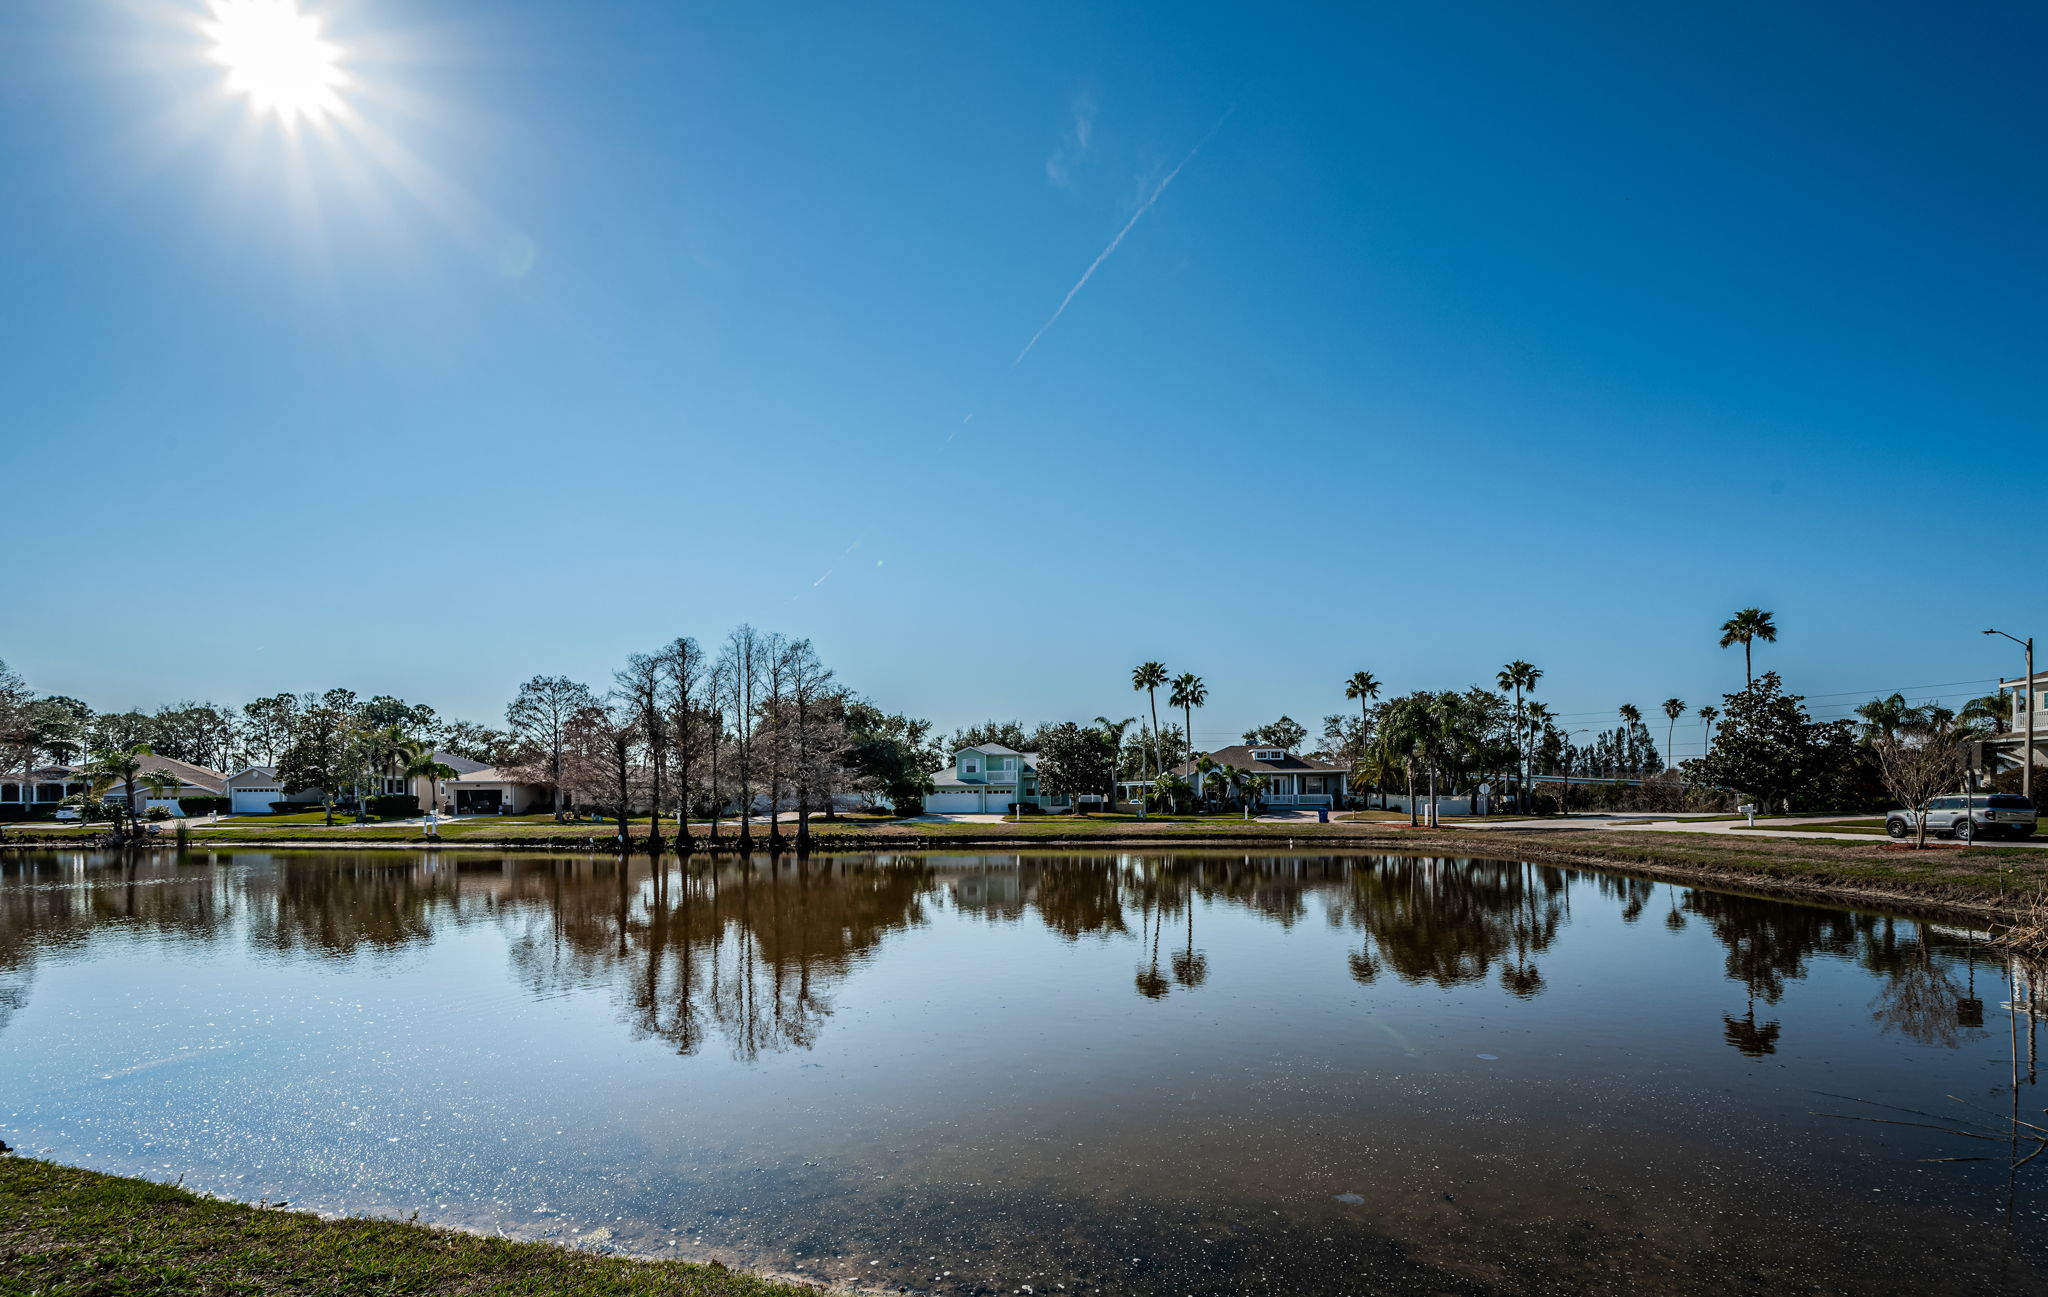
[(1969, 817)]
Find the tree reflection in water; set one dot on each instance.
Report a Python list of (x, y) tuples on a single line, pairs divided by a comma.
[(751, 952)]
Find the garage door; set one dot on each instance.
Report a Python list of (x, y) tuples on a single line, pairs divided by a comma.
[(253, 801), (953, 803)]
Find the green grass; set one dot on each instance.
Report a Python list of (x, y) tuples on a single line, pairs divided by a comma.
[(71, 1233)]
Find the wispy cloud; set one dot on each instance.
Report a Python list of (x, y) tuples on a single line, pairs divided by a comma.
[(1077, 141), (1117, 242)]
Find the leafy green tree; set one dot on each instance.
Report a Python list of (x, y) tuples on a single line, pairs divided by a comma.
[(268, 725), (1745, 628), (1769, 746), (1074, 760), (58, 727), (1148, 676), (424, 764), (890, 755), (417, 720), (321, 756), (1285, 733), (1009, 734), (1883, 718)]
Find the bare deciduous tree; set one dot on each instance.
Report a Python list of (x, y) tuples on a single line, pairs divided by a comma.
[(1920, 764), (682, 670)]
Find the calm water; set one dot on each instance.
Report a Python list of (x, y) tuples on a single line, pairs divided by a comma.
[(1182, 1074)]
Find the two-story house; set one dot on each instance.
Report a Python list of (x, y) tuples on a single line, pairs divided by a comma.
[(2004, 751), (989, 778)]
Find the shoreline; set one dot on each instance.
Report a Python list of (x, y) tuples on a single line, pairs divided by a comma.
[(64, 1226), (1981, 882)]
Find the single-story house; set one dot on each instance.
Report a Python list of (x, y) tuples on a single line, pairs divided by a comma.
[(487, 790), (989, 778), (42, 789), (1290, 780), (252, 789)]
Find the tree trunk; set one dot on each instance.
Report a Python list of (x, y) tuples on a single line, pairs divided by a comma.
[(622, 751), (1158, 763), (1412, 821), (803, 820)]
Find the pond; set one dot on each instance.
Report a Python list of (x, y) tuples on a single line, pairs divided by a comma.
[(1184, 1073)]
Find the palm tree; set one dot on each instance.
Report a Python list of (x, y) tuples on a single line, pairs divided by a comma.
[(1539, 718), (1708, 715), (1205, 766), (1148, 676), (1673, 709), (110, 766), (1376, 769), (423, 764), (1883, 718), (1991, 712), (1744, 628), (1188, 693), (1361, 688), (1519, 675), (1112, 733)]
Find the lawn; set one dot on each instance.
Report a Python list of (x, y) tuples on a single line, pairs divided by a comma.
[(78, 1233)]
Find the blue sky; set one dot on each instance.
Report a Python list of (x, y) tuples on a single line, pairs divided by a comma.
[(1472, 332)]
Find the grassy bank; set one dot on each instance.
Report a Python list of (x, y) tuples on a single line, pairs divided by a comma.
[(71, 1233)]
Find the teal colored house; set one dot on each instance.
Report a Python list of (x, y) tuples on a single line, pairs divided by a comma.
[(989, 778)]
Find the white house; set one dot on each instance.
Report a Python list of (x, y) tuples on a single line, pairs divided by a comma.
[(2004, 751), (989, 778), (1290, 780), (252, 789)]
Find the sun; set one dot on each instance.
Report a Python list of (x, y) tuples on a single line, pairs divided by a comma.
[(276, 56)]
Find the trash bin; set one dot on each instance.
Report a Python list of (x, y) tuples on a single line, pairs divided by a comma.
[(1322, 815)]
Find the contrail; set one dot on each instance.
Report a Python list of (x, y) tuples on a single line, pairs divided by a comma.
[(1114, 243)]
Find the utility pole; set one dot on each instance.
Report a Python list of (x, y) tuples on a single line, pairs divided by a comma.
[(2027, 701)]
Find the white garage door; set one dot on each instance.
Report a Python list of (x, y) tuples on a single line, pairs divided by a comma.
[(953, 803), (253, 801)]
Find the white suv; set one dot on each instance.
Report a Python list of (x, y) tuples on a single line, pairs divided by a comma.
[(1979, 815)]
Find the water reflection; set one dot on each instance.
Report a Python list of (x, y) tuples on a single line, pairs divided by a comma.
[(1438, 1074)]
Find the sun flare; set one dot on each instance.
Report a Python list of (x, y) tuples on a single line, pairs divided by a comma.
[(277, 57)]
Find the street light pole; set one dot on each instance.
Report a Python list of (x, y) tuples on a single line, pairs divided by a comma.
[(2027, 697)]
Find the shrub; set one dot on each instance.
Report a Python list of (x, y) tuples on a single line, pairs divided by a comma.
[(204, 805), (292, 808), (394, 806), (157, 813)]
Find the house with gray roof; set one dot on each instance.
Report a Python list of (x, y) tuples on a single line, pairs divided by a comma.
[(989, 778)]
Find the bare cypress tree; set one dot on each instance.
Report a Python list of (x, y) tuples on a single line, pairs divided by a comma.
[(640, 690), (771, 733), (817, 736), (742, 657), (600, 744), (719, 687), (682, 667)]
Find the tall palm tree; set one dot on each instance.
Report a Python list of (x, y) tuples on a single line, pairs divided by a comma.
[(1361, 688), (1519, 675), (1188, 693), (1673, 709), (1376, 769), (1148, 676), (1708, 714), (1112, 735), (1744, 628)]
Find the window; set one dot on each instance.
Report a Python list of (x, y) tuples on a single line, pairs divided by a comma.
[(2006, 802), (10, 792), (1268, 754)]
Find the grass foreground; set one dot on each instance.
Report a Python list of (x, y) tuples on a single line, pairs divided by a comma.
[(65, 1232)]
